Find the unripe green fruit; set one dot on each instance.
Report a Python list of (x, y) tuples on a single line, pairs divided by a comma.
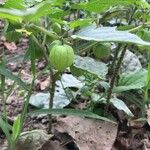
[(56, 27), (56, 42), (102, 50), (61, 56)]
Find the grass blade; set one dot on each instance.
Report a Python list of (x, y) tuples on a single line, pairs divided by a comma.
[(11, 76), (71, 112)]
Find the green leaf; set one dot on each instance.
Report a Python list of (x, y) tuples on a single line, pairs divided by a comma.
[(32, 49), (108, 34), (133, 97), (16, 128), (142, 4), (13, 36), (61, 97), (10, 33), (16, 4), (29, 14), (120, 105), (11, 14), (71, 112), (84, 65), (80, 23), (130, 81), (13, 77), (41, 100), (38, 10), (4, 127), (101, 5)]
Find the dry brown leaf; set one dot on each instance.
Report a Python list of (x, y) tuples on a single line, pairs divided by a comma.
[(10, 46), (53, 145), (44, 84), (89, 134)]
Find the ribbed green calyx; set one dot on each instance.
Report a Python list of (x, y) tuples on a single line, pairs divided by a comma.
[(61, 56)]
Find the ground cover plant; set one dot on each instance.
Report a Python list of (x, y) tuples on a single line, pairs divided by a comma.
[(94, 58)]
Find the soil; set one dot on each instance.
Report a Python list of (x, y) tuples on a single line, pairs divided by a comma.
[(69, 133)]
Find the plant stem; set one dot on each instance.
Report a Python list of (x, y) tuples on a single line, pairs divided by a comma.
[(25, 107), (86, 48), (111, 68), (115, 74), (3, 88), (66, 91), (52, 93), (46, 32), (53, 81), (118, 65)]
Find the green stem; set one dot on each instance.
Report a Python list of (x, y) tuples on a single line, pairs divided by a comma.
[(3, 88), (117, 50), (11, 146), (115, 74), (146, 97), (86, 48), (3, 97), (46, 32), (65, 91), (52, 93), (53, 81), (13, 85), (133, 30), (25, 107)]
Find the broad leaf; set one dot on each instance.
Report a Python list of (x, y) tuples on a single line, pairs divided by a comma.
[(129, 81), (80, 23), (69, 80), (71, 112), (83, 65), (108, 34), (13, 77), (120, 105), (32, 13), (16, 4), (101, 5), (41, 100)]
